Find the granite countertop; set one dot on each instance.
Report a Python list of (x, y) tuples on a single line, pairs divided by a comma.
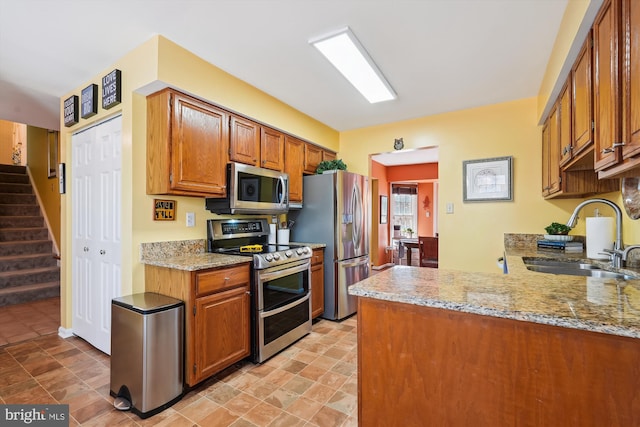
[(190, 255), (599, 305)]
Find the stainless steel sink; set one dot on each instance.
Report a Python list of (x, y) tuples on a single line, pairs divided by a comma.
[(572, 269)]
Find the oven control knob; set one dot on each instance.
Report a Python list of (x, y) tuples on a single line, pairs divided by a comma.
[(289, 254), (269, 257), (276, 256), (302, 251)]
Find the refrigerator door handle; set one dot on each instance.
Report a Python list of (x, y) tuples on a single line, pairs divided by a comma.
[(355, 264)]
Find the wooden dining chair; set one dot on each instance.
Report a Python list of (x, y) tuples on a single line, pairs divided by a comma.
[(428, 248)]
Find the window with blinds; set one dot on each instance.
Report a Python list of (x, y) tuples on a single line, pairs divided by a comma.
[(404, 205)]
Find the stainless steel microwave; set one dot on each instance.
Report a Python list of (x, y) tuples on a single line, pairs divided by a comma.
[(252, 190)]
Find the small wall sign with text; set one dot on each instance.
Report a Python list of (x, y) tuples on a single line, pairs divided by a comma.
[(111, 89), (164, 210), (71, 111), (89, 101)]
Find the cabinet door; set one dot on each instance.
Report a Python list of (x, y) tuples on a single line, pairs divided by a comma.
[(221, 331), (293, 161), (244, 141), (551, 154), (328, 155), (564, 124), (317, 283), (199, 145), (312, 158), (631, 78), (271, 149), (581, 108), (606, 86)]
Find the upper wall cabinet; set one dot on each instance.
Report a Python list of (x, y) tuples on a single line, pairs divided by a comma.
[(271, 149), (244, 141), (255, 145), (551, 154), (312, 158), (577, 153), (187, 145), (617, 54), (293, 166)]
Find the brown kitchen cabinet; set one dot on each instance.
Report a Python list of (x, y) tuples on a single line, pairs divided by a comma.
[(619, 24), (294, 166), (312, 158), (578, 153), (328, 155), (551, 154), (244, 141), (317, 282), (217, 319), (256, 145), (187, 144), (556, 181), (271, 149)]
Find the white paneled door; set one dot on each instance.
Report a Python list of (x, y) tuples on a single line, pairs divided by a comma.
[(96, 223)]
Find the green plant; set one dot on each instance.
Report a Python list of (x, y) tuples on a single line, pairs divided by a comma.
[(409, 231), (328, 165), (557, 228)]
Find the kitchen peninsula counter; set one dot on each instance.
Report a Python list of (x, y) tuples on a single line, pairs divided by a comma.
[(488, 349)]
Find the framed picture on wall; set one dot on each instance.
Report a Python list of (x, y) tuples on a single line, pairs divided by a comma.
[(487, 180), (384, 209)]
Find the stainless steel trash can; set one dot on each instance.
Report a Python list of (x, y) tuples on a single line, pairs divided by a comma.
[(147, 341)]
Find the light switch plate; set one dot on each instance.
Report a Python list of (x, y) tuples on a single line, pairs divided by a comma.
[(449, 208), (191, 219)]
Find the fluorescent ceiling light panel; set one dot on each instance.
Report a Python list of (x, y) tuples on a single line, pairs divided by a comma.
[(346, 53)]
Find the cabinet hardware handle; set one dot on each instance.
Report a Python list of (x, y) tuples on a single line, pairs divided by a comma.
[(85, 249), (102, 252), (613, 147)]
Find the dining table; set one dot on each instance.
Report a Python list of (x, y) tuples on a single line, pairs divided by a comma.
[(409, 244)]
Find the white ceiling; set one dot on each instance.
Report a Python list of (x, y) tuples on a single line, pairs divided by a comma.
[(439, 55)]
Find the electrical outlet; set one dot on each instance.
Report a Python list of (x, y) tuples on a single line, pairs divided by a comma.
[(449, 208), (191, 219)]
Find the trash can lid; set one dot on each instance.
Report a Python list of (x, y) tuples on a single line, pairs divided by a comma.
[(147, 302)]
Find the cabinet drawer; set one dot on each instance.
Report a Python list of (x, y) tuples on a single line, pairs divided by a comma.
[(216, 280), (317, 256)]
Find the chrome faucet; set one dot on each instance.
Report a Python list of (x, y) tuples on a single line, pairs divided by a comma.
[(617, 253)]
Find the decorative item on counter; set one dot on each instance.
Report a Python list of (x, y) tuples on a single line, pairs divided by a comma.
[(330, 165), (631, 196), (566, 246), (557, 229), (599, 236)]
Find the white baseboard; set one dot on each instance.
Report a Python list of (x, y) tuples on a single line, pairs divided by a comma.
[(383, 266), (64, 332)]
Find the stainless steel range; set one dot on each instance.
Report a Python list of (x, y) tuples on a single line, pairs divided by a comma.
[(280, 288)]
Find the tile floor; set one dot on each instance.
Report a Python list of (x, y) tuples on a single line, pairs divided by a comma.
[(312, 383)]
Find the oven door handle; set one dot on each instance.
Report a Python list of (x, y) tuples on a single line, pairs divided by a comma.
[(270, 313), (264, 276)]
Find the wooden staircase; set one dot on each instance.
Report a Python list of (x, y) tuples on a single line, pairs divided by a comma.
[(28, 268)]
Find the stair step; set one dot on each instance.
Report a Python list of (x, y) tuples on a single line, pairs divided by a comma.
[(21, 221), (14, 178), (17, 199), (18, 262), (29, 293), (17, 234), (12, 188), (13, 210), (26, 247), (30, 276), (13, 169)]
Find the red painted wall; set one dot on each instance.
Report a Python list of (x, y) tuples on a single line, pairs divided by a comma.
[(388, 174)]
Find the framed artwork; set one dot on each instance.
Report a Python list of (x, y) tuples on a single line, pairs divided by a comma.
[(52, 147), (384, 209), (487, 180)]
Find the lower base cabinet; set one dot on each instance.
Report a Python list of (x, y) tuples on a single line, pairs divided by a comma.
[(217, 316), (317, 283), (448, 368)]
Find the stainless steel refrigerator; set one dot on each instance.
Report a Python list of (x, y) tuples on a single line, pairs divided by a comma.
[(336, 212)]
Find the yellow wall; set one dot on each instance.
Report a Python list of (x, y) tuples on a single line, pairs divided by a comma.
[(471, 238), (38, 155), (158, 63)]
